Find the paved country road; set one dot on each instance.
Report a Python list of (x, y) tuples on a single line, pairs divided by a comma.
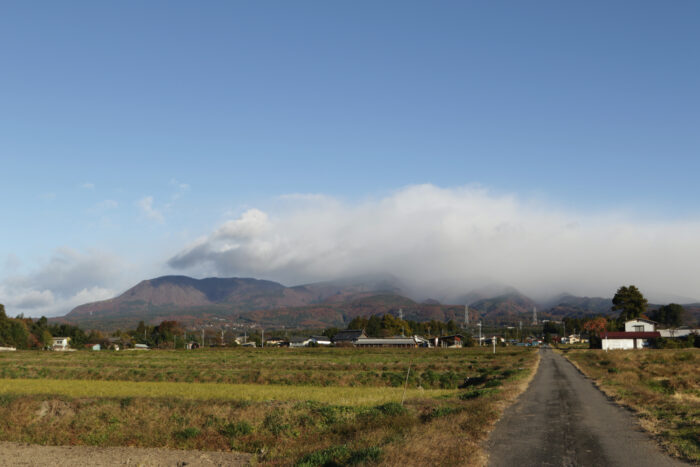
[(563, 420), (30, 455)]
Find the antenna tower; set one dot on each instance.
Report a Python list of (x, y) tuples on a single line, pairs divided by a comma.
[(466, 315), (534, 315)]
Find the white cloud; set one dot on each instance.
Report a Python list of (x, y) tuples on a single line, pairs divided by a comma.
[(33, 299), (88, 186), (68, 279), (146, 206), (453, 240)]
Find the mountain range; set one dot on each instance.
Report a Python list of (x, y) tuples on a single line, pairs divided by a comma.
[(248, 301)]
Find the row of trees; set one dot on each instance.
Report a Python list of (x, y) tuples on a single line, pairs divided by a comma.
[(26, 333), (389, 325)]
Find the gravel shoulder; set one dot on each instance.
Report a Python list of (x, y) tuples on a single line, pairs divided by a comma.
[(17, 454), (564, 420)]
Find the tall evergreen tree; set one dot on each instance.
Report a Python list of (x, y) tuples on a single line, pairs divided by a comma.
[(630, 302)]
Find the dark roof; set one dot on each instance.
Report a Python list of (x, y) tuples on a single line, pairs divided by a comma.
[(629, 335), (349, 335), (321, 338)]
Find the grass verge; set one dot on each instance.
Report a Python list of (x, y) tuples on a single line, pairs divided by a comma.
[(661, 386)]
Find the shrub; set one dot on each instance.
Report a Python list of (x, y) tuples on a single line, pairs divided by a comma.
[(235, 429), (187, 433), (474, 393), (473, 381), (274, 422), (391, 409), (339, 456), (332, 456)]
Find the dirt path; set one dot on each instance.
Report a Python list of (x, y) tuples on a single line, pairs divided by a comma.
[(12, 454), (563, 420)]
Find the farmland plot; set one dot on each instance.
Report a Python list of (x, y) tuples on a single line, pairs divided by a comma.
[(284, 406)]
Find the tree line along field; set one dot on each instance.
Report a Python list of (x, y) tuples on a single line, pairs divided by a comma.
[(283, 406), (662, 386)]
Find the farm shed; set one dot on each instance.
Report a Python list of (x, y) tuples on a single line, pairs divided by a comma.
[(349, 336), (406, 342), (454, 341), (626, 340)]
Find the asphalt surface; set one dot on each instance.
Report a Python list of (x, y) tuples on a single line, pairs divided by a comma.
[(563, 420)]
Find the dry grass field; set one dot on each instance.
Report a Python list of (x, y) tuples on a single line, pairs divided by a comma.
[(662, 386), (285, 406)]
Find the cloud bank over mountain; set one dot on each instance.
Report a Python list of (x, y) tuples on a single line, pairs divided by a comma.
[(441, 242), (67, 279), (449, 240)]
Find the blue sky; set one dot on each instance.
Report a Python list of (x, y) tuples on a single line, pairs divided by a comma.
[(133, 130)]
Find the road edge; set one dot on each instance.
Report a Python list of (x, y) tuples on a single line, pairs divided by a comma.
[(503, 405), (656, 437)]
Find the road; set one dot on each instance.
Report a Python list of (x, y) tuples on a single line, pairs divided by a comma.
[(30, 455), (563, 420)]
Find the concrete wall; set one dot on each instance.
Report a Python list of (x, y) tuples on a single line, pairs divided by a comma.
[(613, 344)]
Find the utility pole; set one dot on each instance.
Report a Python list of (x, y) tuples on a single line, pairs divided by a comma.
[(493, 339), (262, 337), (202, 337), (521, 331), (479, 324)]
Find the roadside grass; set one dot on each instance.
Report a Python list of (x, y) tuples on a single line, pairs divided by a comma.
[(347, 422), (662, 386)]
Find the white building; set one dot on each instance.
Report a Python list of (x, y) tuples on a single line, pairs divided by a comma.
[(679, 332), (321, 340), (299, 341), (640, 325), (60, 343), (626, 340)]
